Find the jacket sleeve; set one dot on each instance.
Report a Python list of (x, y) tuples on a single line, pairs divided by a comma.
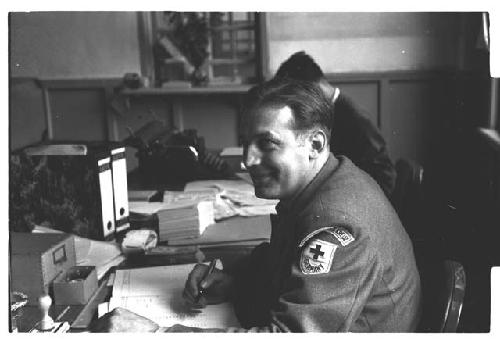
[(330, 299), (326, 301), (250, 301)]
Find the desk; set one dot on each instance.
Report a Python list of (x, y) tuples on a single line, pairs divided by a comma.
[(80, 316)]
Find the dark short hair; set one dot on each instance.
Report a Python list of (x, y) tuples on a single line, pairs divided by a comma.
[(300, 66), (311, 109)]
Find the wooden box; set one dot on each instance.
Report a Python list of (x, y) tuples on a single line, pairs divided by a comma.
[(37, 259), (75, 286)]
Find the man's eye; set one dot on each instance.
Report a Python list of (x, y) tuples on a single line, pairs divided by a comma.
[(266, 144)]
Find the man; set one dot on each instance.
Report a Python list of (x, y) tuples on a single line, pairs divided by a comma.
[(354, 135), (339, 258)]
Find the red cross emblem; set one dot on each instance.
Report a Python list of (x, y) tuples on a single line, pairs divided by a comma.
[(316, 251)]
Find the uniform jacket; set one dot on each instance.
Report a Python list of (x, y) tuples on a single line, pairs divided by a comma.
[(371, 283), (356, 137)]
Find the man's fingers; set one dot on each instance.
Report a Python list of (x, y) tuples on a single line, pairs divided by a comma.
[(192, 302), (187, 296), (209, 281), (192, 285), (194, 278)]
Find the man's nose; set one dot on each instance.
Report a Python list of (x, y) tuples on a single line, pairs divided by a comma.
[(252, 156)]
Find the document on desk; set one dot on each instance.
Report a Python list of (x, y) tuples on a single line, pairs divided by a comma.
[(239, 195), (156, 293)]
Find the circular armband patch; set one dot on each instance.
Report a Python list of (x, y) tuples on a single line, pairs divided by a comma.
[(317, 257)]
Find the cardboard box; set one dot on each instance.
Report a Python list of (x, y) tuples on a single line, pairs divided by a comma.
[(76, 286), (37, 259)]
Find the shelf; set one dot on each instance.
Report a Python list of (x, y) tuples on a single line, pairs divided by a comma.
[(216, 89)]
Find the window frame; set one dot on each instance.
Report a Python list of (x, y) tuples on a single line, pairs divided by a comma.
[(146, 35)]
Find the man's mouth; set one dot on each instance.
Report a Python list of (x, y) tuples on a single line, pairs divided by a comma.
[(260, 177)]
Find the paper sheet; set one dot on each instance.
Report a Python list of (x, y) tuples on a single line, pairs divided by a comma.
[(156, 293), (239, 197), (145, 207), (101, 254)]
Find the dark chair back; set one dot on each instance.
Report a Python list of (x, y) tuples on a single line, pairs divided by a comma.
[(443, 291)]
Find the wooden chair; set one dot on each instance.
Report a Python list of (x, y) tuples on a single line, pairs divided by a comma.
[(443, 291), (443, 281)]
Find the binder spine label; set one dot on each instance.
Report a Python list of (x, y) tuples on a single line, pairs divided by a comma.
[(104, 167), (106, 191)]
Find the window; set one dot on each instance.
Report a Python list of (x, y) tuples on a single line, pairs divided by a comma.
[(206, 48)]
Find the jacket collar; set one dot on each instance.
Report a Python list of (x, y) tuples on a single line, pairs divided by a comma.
[(301, 200)]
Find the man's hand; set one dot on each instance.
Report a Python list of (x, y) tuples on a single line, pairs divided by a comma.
[(122, 320), (218, 287)]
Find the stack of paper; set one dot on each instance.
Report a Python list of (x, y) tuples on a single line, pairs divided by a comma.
[(179, 199), (156, 293), (185, 222), (235, 231), (181, 215)]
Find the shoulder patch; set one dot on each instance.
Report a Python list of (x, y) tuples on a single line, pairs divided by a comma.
[(317, 257), (342, 235)]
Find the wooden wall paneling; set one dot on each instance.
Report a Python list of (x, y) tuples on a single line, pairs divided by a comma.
[(215, 118), (404, 104), (26, 113), (48, 114), (79, 114), (110, 115), (385, 126), (407, 107), (418, 106), (365, 95), (79, 109)]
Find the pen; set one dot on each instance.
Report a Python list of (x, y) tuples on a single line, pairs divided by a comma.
[(211, 268)]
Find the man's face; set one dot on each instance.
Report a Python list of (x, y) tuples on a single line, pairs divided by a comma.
[(275, 156)]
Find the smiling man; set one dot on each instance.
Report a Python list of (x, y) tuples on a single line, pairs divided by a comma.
[(278, 161), (339, 259)]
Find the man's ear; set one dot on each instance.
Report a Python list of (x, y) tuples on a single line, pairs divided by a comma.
[(317, 141)]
